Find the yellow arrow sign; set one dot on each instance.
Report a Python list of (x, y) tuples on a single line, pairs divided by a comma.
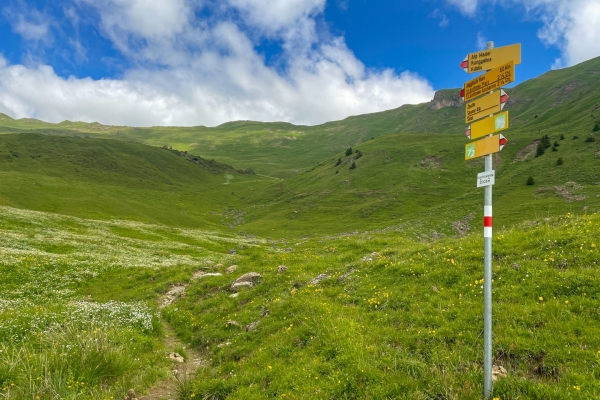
[(489, 81), (483, 147), (485, 106), (493, 124), (493, 58)]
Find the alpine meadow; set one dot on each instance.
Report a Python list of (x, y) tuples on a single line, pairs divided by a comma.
[(343, 260)]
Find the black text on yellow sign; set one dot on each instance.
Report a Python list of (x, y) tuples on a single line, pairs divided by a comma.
[(485, 106), (489, 81), (488, 59)]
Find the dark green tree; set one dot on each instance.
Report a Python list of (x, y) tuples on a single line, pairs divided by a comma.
[(349, 151), (530, 181), (540, 149), (559, 161), (554, 149), (339, 161), (545, 141), (556, 144), (358, 155), (596, 127), (353, 165), (562, 137), (590, 139)]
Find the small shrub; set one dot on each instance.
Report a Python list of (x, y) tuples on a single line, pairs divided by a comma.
[(575, 137), (556, 144), (540, 149), (337, 171), (590, 139), (530, 181), (562, 137), (358, 155), (353, 165), (554, 149), (339, 161), (559, 161), (596, 127), (348, 151)]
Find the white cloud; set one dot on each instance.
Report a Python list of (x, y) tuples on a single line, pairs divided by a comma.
[(573, 26), (188, 71), (467, 7), (444, 21), (481, 41), (28, 22)]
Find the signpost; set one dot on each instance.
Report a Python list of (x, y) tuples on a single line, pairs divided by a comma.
[(493, 124), (500, 64), (483, 147), (492, 80), (491, 58), (486, 105)]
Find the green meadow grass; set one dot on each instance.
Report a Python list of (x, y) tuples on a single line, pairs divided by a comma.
[(78, 310), (398, 318), (407, 321)]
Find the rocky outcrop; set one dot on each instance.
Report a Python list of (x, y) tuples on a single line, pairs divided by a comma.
[(231, 269), (247, 280), (445, 98), (318, 279)]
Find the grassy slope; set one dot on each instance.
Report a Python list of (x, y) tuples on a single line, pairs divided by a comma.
[(104, 179), (564, 101), (404, 324)]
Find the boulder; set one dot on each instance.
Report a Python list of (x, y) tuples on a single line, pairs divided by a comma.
[(231, 269), (281, 269)]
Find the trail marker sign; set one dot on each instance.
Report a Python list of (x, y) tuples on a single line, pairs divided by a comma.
[(485, 106), (493, 124), (492, 80), (483, 147), (493, 58), (486, 178)]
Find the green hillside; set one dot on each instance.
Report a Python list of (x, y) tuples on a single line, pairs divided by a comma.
[(105, 179), (561, 101)]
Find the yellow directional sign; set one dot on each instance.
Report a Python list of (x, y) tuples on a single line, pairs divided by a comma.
[(489, 81), (493, 124), (483, 147), (485, 106), (493, 58)]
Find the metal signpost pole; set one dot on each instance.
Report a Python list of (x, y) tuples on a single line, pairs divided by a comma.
[(487, 279)]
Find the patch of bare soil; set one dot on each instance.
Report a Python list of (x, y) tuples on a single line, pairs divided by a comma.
[(182, 371), (463, 226), (528, 152), (432, 162), (565, 191)]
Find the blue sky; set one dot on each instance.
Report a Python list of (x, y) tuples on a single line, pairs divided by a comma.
[(205, 62)]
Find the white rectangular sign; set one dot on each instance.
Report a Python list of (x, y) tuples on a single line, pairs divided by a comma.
[(486, 178)]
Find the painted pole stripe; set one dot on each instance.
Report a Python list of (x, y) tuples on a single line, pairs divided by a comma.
[(487, 232), (487, 211), (487, 221)]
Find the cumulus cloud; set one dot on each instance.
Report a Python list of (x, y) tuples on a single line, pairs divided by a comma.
[(573, 26), (190, 70)]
